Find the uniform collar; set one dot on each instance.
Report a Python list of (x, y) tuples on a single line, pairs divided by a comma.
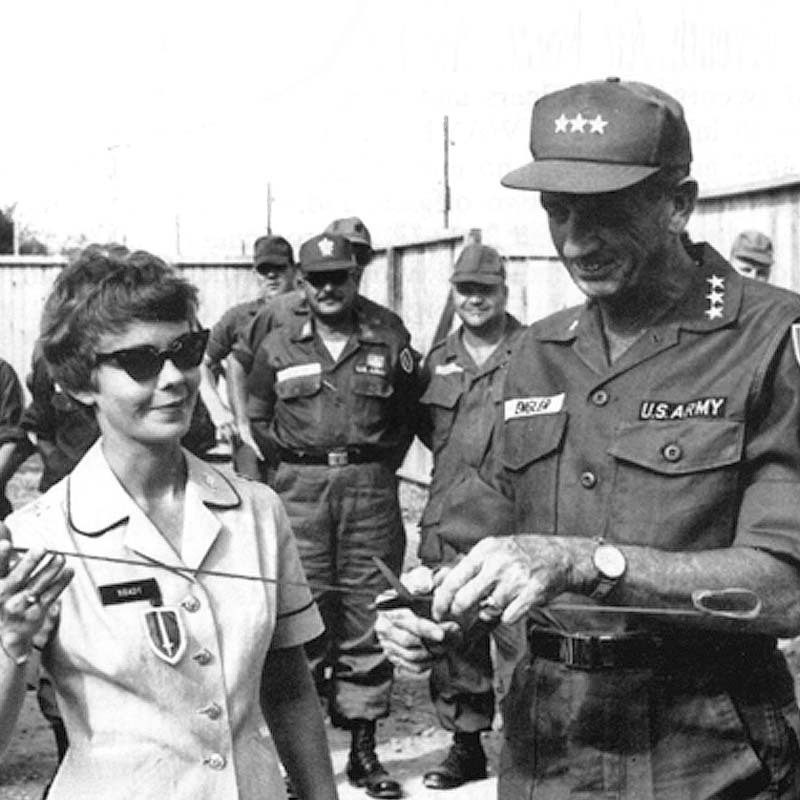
[(454, 350), (711, 301), (97, 501)]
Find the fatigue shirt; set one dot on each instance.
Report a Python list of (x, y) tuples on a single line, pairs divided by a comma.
[(290, 308), (689, 441), (462, 411), (223, 334), (301, 399), (138, 725)]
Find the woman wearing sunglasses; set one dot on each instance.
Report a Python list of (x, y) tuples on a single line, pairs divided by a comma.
[(174, 679)]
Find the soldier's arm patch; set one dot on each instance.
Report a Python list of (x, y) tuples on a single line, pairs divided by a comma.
[(406, 360)]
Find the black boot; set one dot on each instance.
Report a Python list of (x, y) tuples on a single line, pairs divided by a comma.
[(363, 767), (465, 761)]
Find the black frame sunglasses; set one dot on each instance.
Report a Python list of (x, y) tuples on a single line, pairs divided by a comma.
[(334, 277), (144, 362)]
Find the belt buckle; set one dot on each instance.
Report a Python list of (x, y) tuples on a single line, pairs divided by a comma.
[(338, 458), (577, 652)]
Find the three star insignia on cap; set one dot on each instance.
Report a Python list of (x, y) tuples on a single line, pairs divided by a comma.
[(716, 297), (578, 123), (325, 246)]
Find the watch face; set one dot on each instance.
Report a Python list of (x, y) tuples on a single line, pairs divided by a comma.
[(609, 561)]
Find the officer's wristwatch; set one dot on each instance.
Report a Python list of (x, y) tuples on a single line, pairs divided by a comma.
[(610, 563)]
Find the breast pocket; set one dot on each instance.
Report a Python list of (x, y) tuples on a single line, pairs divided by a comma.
[(531, 448), (301, 387), (441, 398), (677, 482)]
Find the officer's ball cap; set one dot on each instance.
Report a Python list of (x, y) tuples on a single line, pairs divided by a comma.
[(753, 246), (326, 252), (352, 228), (602, 136), (272, 250), (478, 263)]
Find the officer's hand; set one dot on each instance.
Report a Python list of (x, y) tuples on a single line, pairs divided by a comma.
[(503, 577), (411, 642), (29, 590)]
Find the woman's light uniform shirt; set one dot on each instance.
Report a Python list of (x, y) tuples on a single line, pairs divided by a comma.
[(140, 726)]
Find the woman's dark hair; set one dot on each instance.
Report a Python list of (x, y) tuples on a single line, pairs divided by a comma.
[(101, 292)]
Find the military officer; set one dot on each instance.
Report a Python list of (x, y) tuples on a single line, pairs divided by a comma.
[(332, 402), (650, 447)]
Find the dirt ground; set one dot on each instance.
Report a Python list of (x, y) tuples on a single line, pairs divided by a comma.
[(409, 741)]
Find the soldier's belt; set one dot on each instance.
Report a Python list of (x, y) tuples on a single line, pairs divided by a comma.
[(337, 456), (641, 651)]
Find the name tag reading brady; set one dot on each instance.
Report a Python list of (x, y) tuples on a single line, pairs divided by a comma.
[(520, 407), (131, 592)]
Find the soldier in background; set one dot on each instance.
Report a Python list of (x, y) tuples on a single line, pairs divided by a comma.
[(751, 255), (462, 413), (274, 268), (332, 400)]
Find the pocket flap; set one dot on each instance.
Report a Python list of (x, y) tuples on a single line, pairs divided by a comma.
[(528, 439), (680, 447), (443, 393), (304, 386), (372, 386)]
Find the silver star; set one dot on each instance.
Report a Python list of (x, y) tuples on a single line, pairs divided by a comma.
[(716, 282), (598, 125), (561, 123), (716, 298), (578, 123), (714, 313)]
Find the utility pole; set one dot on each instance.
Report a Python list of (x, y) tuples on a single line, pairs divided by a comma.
[(446, 208), (269, 208)]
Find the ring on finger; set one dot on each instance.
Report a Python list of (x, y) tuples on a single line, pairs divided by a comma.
[(31, 599)]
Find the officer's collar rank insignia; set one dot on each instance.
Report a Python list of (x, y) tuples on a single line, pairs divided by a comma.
[(325, 246), (716, 297), (165, 633)]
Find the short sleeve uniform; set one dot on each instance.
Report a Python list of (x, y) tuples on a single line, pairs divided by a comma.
[(689, 441), (157, 671)]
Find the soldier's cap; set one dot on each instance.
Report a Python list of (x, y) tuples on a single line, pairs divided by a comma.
[(602, 136), (352, 228), (325, 252), (273, 251), (753, 246), (478, 263)]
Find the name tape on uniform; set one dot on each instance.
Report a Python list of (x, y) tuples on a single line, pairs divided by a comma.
[(519, 407), (131, 592), (298, 371), (450, 368)]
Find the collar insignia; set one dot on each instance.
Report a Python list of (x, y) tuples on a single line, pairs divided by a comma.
[(716, 297)]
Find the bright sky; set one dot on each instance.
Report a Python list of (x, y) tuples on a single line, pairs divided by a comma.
[(162, 122)]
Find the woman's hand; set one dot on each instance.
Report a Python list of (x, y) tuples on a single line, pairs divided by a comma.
[(29, 591)]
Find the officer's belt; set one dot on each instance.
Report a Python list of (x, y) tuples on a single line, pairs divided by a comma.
[(642, 650), (337, 456)]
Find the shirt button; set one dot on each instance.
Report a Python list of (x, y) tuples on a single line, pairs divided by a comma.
[(202, 657), (672, 452), (212, 710), (215, 761), (600, 397), (191, 604), (588, 480)]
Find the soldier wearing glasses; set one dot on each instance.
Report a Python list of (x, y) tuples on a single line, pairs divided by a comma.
[(332, 402)]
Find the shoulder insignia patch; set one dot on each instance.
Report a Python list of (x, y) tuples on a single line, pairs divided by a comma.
[(406, 360), (519, 407)]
